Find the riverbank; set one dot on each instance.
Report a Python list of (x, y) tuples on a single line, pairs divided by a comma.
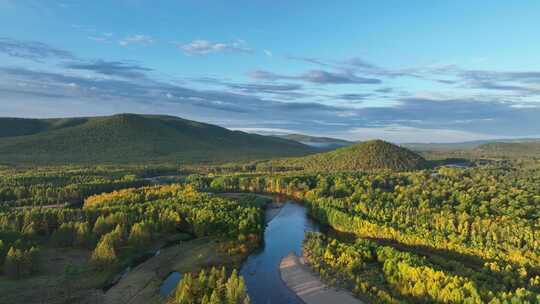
[(271, 209), (142, 283), (308, 286)]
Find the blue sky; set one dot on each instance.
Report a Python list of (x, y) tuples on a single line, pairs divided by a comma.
[(424, 71)]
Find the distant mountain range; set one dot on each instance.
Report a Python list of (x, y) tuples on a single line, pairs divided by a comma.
[(132, 138), (323, 143), (328, 143), (466, 145), (127, 138), (509, 149)]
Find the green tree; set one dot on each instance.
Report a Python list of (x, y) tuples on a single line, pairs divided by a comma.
[(64, 236), (83, 236), (21, 262), (185, 293), (139, 235), (101, 226), (33, 257), (215, 297), (13, 262), (104, 255)]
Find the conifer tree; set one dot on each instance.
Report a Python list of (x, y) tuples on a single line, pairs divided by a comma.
[(232, 293), (139, 235), (29, 229), (64, 235), (212, 278), (202, 282), (20, 262), (184, 291), (33, 256), (101, 226), (242, 291), (104, 254), (215, 298), (13, 263), (205, 299), (83, 237)]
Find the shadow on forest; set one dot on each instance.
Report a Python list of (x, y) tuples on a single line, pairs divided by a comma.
[(444, 259), (468, 260), (455, 162)]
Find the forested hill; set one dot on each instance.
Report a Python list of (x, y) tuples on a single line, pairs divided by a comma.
[(368, 155), (132, 138), (509, 150)]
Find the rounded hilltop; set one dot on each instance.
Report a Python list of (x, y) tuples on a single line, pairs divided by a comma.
[(364, 156)]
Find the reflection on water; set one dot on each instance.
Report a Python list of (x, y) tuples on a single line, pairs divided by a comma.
[(284, 234), (169, 284)]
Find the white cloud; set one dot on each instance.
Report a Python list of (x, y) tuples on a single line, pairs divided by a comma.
[(266, 131), (203, 47), (136, 39), (102, 38), (403, 134), (268, 53), (98, 39)]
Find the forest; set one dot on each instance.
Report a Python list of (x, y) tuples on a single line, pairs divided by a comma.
[(439, 235), (475, 227), (115, 227)]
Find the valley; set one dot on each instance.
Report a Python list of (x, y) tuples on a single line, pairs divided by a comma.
[(373, 222), (471, 226), (269, 152)]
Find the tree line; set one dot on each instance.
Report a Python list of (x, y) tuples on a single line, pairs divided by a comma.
[(71, 184), (211, 287), (121, 224)]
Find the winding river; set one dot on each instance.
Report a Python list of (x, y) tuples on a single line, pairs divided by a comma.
[(283, 234)]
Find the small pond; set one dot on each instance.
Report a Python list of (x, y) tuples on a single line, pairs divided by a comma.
[(169, 284)]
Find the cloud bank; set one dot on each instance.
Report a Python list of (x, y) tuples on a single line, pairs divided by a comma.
[(348, 98)]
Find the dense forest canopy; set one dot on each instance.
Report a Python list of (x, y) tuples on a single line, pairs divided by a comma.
[(452, 235), (509, 150), (122, 218), (435, 235)]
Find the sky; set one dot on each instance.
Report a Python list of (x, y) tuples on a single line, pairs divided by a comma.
[(404, 71)]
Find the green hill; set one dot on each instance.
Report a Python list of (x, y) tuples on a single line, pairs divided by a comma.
[(365, 156), (128, 138), (509, 150)]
